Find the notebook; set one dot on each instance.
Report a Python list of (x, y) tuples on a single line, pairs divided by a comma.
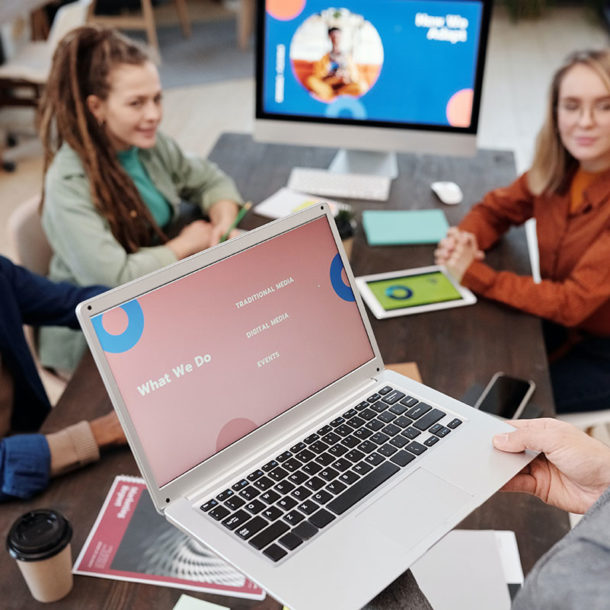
[(258, 408), (399, 227)]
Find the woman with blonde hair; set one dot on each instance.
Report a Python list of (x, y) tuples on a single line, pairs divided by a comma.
[(114, 185), (567, 191)]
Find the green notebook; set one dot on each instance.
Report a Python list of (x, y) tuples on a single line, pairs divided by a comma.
[(400, 227)]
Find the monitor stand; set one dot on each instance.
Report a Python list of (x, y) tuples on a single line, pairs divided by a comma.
[(364, 162)]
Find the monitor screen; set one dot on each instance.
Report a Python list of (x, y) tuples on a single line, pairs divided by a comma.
[(402, 69)]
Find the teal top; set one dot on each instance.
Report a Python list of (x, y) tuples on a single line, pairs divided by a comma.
[(152, 197)]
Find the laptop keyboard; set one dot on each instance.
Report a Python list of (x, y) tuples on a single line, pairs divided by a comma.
[(288, 500)]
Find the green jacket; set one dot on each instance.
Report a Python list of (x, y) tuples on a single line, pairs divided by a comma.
[(86, 252)]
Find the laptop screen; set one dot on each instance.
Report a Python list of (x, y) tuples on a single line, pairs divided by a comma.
[(204, 360)]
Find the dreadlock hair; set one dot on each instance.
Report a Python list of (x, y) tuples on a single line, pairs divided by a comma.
[(81, 66)]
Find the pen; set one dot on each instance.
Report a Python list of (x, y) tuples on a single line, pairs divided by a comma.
[(237, 220)]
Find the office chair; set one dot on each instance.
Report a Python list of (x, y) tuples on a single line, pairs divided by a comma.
[(29, 68), (27, 237), (32, 251), (23, 76), (142, 20)]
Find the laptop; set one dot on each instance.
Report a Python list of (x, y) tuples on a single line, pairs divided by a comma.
[(257, 406)]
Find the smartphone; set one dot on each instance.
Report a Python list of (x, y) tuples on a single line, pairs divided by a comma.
[(505, 396)]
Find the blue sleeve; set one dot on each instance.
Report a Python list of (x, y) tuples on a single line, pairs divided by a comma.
[(25, 463), (41, 301)]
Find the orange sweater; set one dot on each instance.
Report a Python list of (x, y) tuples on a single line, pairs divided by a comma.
[(574, 253)]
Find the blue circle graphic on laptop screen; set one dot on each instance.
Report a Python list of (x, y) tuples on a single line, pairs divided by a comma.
[(342, 289), (117, 344), (398, 292)]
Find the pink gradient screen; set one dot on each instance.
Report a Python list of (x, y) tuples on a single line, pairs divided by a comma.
[(231, 346)]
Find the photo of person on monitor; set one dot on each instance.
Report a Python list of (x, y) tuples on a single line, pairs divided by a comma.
[(335, 72), (335, 53)]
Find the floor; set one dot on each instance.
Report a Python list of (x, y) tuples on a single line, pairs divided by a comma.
[(521, 57)]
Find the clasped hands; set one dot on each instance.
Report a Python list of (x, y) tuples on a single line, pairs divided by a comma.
[(456, 251)]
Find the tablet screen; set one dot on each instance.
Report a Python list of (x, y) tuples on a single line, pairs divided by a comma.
[(413, 290)]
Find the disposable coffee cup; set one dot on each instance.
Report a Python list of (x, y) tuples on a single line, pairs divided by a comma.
[(40, 542)]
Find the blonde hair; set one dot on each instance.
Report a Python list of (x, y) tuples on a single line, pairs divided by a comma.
[(81, 67), (553, 165)]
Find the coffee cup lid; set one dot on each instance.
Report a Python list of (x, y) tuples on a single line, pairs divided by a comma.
[(38, 534)]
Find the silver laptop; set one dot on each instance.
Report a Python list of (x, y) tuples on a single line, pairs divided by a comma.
[(259, 411)]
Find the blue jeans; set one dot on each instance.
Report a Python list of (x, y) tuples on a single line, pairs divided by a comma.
[(581, 377)]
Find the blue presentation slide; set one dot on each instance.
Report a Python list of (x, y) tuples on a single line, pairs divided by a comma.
[(392, 61)]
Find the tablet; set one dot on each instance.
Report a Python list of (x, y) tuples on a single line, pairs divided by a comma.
[(400, 293)]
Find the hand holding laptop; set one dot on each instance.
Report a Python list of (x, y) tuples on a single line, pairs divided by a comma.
[(572, 470)]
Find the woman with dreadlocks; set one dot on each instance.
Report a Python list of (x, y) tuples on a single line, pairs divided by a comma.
[(114, 184)]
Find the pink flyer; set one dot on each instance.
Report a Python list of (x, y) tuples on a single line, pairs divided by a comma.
[(131, 541)]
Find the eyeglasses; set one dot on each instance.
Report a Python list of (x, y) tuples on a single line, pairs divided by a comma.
[(575, 109)]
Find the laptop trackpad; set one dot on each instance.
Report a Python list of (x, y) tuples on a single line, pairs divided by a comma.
[(419, 505)]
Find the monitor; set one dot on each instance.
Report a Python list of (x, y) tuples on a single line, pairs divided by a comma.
[(371, 75)]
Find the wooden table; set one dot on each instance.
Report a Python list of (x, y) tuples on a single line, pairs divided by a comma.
[(454, 350)]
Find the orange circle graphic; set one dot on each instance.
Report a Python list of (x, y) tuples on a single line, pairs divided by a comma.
[(284, 9), (459, 108)]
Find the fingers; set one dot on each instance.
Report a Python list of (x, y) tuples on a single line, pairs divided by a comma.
[(455, 238), (215, 235), (441, 256), (463, 254), (445, 247), (457, 250), (466, 241), (536, 434), (460, 248), (468, 238), (523, 482)]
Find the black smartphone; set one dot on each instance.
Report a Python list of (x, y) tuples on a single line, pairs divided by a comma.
[(505, 396)]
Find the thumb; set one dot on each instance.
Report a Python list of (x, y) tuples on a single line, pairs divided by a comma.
[(537, 434), (509, 442)]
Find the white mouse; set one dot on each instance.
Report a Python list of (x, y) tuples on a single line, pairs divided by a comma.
[(448, 192)]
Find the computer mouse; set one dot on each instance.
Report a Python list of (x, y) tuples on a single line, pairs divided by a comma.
[(448, 192)]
